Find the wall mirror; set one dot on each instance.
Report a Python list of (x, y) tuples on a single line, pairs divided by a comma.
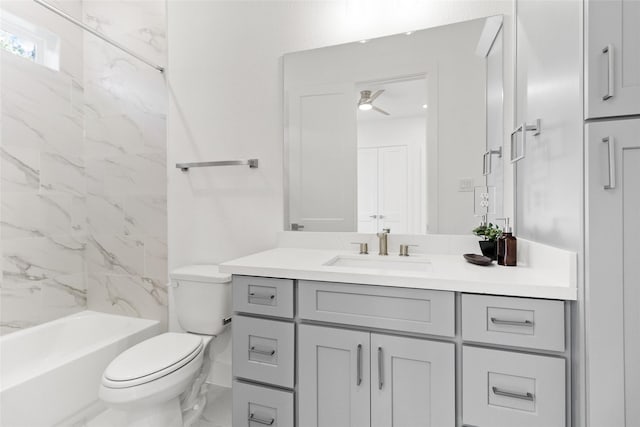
[(401, 132)]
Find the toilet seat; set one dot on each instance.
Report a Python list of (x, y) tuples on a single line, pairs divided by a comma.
[(152, 359)]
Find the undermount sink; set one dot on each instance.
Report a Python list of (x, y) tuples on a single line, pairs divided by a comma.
[(377, 262)]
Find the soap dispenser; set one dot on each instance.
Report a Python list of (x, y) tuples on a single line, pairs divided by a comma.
[(510, 255), (501, 241)]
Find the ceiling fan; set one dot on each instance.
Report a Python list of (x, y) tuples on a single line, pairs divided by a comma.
[(366, 101)]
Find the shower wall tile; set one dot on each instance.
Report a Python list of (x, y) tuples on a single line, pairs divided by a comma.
[(20, 169), (128, 295), (36, 259), (59, 173), (111, 254), (83, 180), (125, 160)]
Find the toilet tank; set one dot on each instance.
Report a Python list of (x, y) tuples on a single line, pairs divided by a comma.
[(201, 298)]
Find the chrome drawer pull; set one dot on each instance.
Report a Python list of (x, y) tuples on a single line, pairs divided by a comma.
[(608, 50), (263, 352), (611, 151), (254, 419), (359, 368), (258, 296), (380, 373), (523, 396), (527, 323)]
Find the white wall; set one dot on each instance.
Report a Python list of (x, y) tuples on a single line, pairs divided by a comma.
[(225, 88), (549, 87)]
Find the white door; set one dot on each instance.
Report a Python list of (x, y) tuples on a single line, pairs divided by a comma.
[(383, 188), (612, 284), (321, 138), (368, 190), (413, 382), (334, 377), (392, 188), (612, 45)]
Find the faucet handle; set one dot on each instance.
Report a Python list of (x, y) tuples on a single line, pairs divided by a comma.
[(404, 249), (386, 230), (364, 247)]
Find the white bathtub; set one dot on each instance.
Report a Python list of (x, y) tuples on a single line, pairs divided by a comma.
[(50, 373)]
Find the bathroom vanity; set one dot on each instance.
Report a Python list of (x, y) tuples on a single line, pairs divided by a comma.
[(425, 340)]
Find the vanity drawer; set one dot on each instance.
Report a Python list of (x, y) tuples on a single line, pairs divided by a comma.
[(402, 309), (263, 350), (263, 295), (506, 389), (255, 406), (518, 322)]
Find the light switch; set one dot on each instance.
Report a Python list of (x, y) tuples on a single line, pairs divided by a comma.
[(465, 185)]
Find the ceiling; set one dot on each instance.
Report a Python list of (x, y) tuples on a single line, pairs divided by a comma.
[(401, 98)]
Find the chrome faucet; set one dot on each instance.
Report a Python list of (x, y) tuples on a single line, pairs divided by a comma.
[(383, 241)]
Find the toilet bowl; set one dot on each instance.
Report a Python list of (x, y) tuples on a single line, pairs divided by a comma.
[(160, 382)]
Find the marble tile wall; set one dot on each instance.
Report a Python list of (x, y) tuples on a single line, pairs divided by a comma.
[(83, 220), (42, 179), (125, 160)]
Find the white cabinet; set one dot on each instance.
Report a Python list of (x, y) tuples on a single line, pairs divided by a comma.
[(612, 59), (612, 279), (352, 378)]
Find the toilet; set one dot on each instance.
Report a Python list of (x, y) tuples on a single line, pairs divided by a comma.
[(160, 382)]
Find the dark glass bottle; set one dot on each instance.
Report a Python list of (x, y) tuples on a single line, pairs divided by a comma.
[(510, 249)]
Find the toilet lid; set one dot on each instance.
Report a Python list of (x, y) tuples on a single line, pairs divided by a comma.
[(152, 359)]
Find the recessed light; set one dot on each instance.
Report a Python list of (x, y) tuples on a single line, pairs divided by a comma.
[(424, 106), (408, 33), (363, 41)]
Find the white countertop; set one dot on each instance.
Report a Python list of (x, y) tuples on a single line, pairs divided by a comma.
[(446, 272)]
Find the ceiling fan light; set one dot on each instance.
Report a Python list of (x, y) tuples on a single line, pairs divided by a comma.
[(365, 106)]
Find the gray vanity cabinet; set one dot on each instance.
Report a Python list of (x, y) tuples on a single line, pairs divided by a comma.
[(334, 379), (354, 378), (413, 382)]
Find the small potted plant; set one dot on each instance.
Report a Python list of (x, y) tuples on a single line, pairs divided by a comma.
[(489, 243)]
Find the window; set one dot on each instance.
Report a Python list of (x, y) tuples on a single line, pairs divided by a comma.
[(17, 45), (29, 41)]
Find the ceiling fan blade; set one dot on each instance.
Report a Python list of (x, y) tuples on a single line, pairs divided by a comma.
[(375, 95), (380, 110)]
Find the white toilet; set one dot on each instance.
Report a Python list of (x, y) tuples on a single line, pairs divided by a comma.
[(159, 382)]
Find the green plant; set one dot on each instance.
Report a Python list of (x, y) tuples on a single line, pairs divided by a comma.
[(488, 231)]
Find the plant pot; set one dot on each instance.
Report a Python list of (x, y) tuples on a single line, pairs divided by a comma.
[(489, 248)]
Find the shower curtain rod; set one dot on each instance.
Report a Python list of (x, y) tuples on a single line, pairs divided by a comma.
[(97, 34)]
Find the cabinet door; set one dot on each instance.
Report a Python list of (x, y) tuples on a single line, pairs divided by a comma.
[(413, 382), (612, 60), (612, 283), (334, 378)]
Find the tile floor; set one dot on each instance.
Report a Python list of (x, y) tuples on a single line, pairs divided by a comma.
[(216, 414)]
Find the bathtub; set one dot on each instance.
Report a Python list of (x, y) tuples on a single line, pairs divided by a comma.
[(50, 373)]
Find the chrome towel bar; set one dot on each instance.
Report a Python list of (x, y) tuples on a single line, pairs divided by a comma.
[(184, 167)]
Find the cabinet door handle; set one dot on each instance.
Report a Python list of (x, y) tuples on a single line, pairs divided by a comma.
[(260, 296), (268, 352), (359, 366), (527, 323), (612, 162), (263, 421), (608, 50), (515, 395), (380, 373)]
